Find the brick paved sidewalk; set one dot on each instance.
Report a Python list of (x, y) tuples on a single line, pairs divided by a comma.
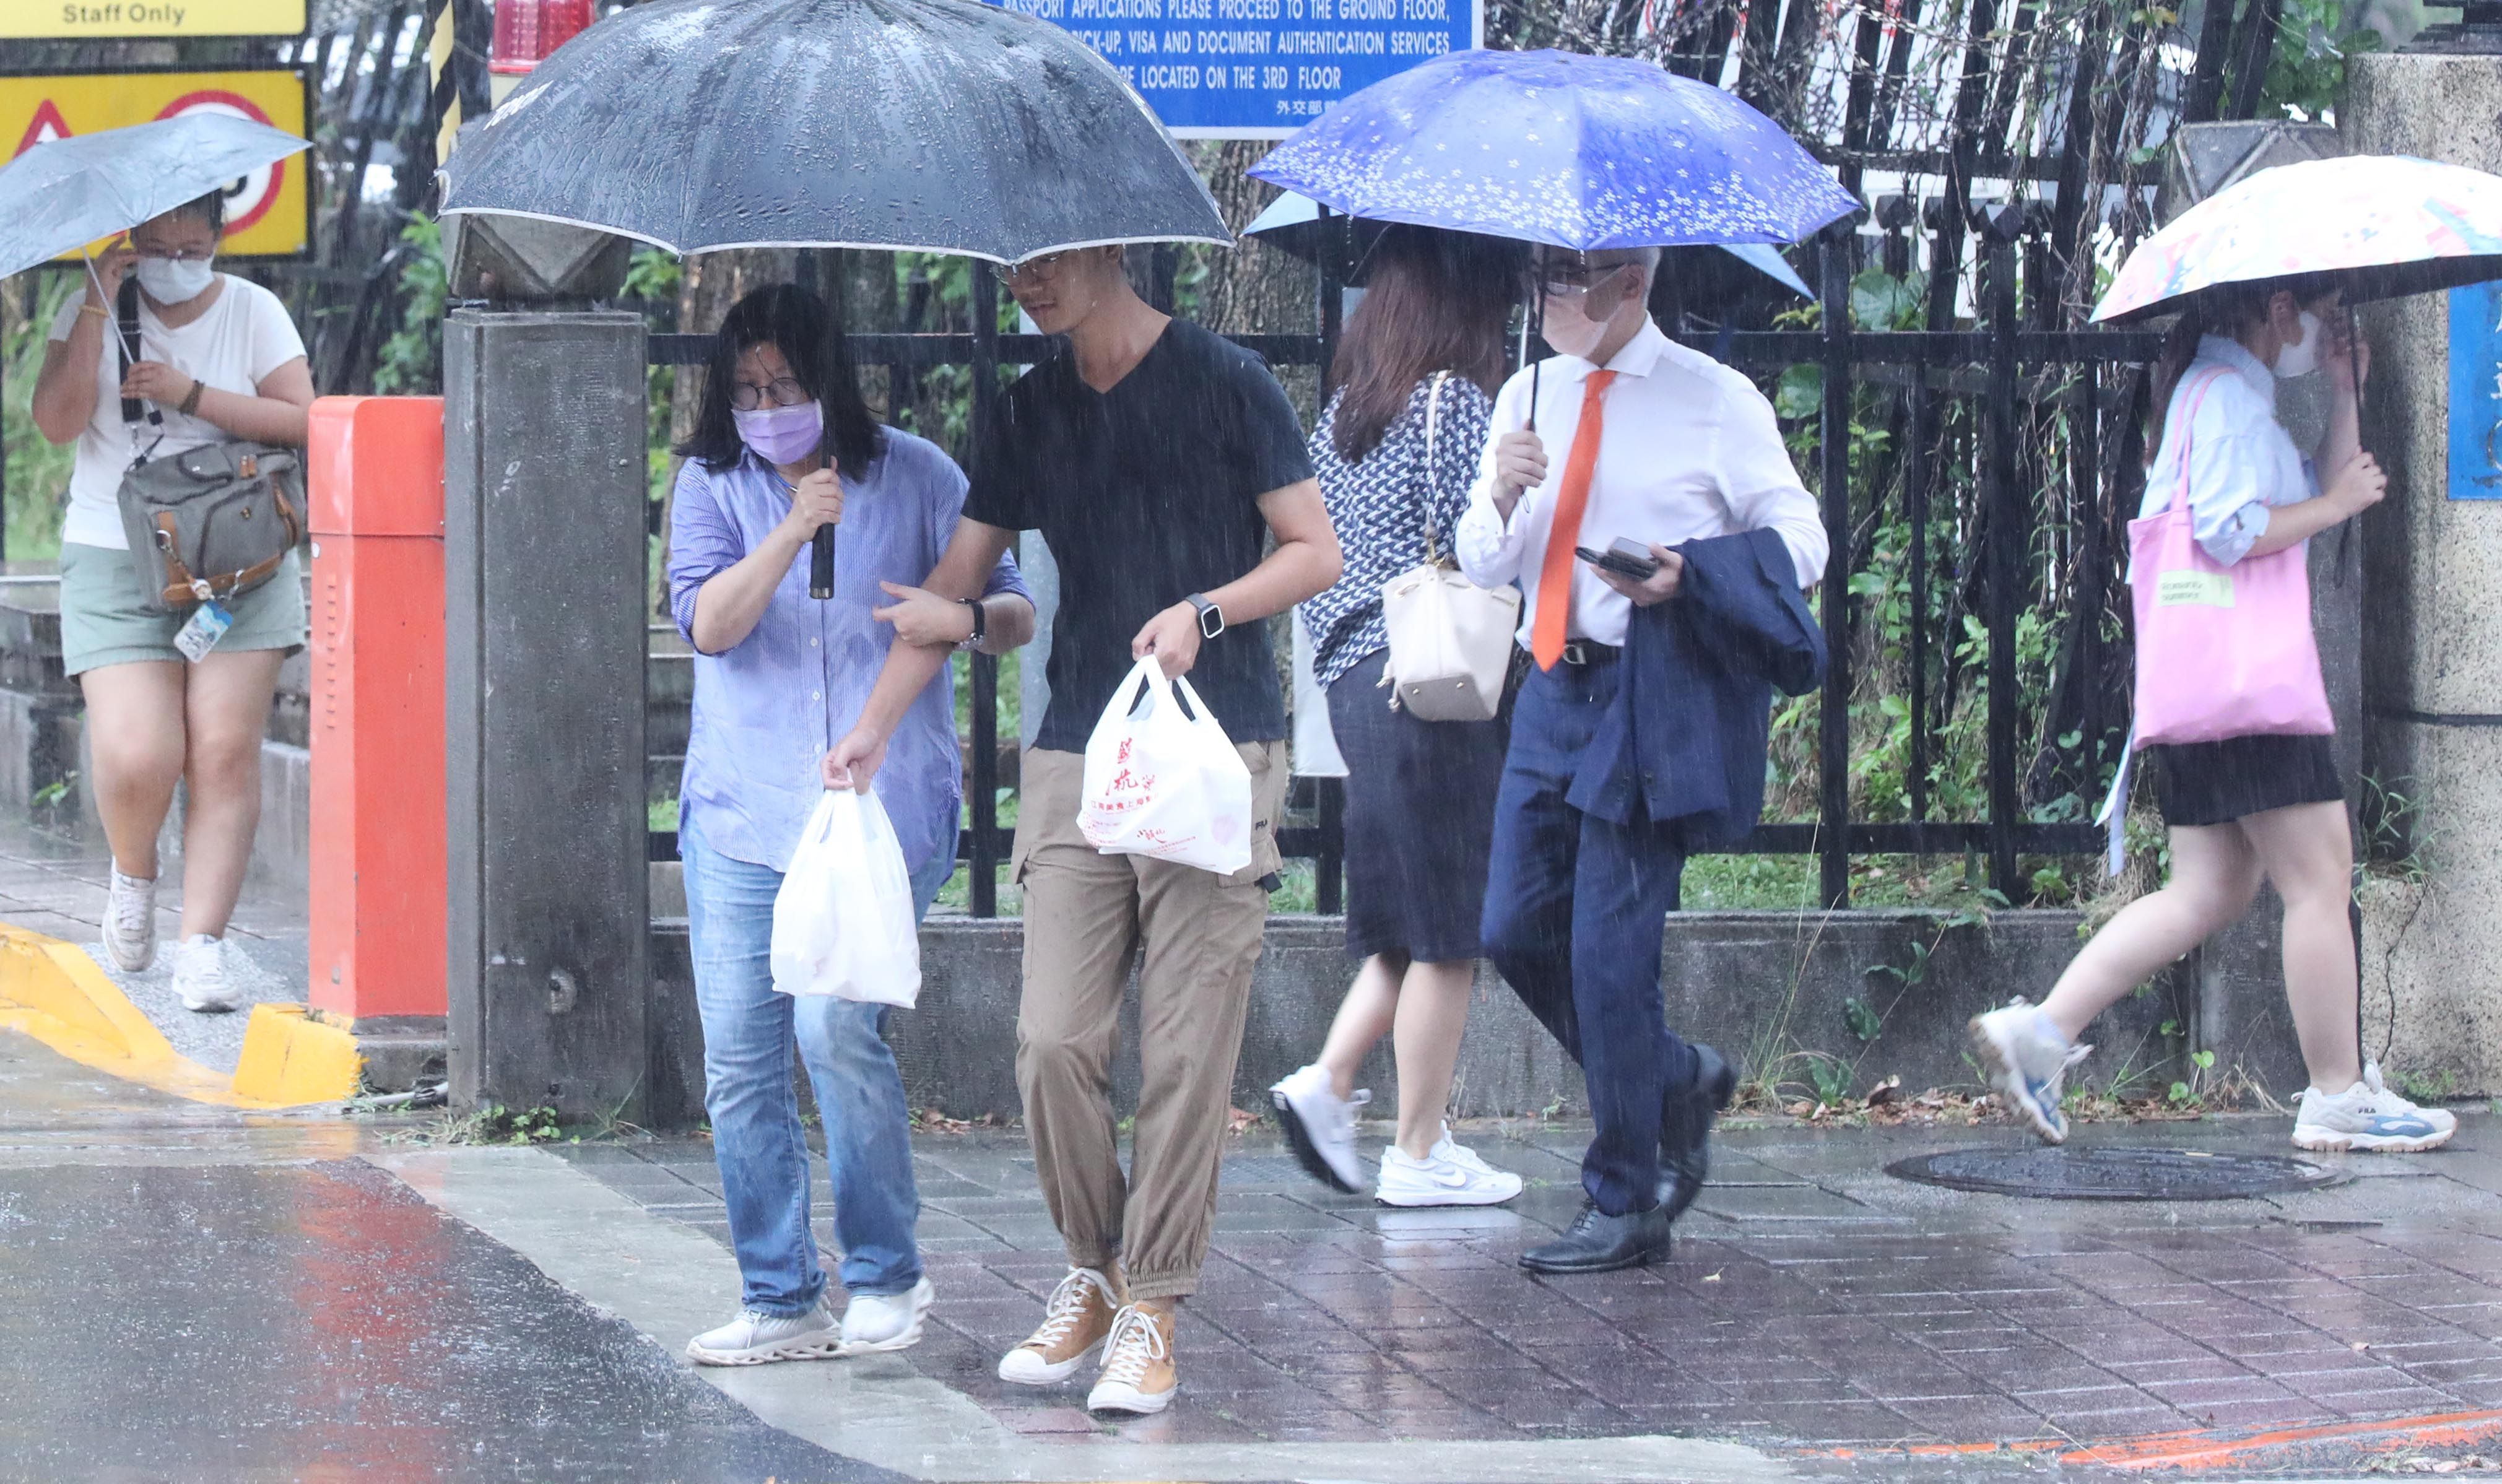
[(1812, 1300)]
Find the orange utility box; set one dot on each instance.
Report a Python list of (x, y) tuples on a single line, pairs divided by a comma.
[(379, 894)]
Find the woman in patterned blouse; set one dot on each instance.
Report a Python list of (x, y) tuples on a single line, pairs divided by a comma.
[(1426, 343)]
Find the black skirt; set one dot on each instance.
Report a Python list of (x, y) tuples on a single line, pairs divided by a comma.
[(2215, 782), (1419, 821)]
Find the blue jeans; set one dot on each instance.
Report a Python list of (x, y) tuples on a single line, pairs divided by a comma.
[(1575, 918), (748, 1032)]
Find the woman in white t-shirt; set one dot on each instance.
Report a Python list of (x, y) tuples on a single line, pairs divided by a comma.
[(218, 359)]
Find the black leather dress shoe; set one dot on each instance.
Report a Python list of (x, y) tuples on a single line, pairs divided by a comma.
[(1597, 1242), (1685, 1130)]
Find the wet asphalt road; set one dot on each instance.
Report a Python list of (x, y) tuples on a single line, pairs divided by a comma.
[(169, 1313)]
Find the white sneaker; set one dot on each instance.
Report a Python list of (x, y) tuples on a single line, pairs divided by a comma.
[(2368, 1117), (756, 1337), (878, 1322), (1320, 1126), (131, 922), (1449, 1175), (2028, 1061), (200, 975)]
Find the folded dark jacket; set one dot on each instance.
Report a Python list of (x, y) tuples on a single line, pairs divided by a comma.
[(1687, 737)]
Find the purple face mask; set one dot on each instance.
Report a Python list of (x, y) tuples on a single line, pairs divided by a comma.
[(782, 435)]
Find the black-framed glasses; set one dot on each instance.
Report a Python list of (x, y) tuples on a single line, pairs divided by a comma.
[(781, 392), (1576, 283)]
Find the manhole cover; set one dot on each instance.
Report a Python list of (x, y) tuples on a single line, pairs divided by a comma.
[(2113, 1174)]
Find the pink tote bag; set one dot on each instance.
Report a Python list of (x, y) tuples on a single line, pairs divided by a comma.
[(2221, 651)]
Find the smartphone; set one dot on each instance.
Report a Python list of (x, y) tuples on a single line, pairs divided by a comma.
[(1624, 557)]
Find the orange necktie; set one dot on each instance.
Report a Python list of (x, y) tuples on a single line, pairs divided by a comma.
[(1555, 573)]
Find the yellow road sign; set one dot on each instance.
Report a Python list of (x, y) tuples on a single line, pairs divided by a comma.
[(125, 19), (268, 212)]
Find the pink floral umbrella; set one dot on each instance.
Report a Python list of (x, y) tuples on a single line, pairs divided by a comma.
[(2381, 224)]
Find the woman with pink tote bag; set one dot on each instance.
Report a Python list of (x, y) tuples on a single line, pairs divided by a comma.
[(2231, 713)]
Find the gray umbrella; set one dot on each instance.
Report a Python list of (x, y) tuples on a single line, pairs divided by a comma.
[(57, 197), (938, 125)]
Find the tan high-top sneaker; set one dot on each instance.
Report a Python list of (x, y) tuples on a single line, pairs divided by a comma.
[(1138, 1375), (1077, 1320)]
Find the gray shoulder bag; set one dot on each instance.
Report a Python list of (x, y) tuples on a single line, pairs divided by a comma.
[(213, 522)]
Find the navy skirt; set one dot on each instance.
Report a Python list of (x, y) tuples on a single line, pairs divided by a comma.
[(1419, 821), (2215, 782)]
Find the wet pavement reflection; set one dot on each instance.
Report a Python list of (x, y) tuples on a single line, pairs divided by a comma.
[(1812, 1300), (184, 1295)]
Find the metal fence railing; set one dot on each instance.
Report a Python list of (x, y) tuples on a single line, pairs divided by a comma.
[(2030, 407)]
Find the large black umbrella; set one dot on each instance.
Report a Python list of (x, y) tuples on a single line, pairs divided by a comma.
[(936, 125)]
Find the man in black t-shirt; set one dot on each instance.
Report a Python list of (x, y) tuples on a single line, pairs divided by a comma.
[(1157, 460)]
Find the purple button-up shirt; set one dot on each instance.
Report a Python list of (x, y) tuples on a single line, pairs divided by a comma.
[(766, 709)]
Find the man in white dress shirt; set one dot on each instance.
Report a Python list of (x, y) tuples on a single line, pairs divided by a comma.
[(1665, 445)]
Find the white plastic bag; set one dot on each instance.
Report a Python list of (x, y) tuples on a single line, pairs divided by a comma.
[(1164, 779), (843, 923)]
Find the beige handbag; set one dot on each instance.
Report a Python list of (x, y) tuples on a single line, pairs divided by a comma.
[(1450, 640)]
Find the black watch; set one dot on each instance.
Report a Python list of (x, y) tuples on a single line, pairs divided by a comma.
[(1211, 619), (981, 623)]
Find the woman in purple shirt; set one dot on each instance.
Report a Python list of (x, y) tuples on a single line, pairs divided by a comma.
[(784, 445)]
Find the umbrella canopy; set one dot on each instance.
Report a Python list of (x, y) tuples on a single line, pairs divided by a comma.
[(59, 196), (1557, 147), (2382, 225), (1293, 222), (936, 126)]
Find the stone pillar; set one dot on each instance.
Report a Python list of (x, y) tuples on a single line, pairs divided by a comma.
[(544, 557), (2432, 637)]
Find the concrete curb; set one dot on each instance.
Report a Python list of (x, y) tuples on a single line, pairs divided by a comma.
[(55, 993)]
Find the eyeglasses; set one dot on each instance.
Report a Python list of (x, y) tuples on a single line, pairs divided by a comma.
[(782, 391), (1047, 266), (176, 255), (1571, 283)]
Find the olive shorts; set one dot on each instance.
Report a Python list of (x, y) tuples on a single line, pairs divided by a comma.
[(105, 619)]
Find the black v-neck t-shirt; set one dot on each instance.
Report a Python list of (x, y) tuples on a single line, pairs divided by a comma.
[(1146, 494)]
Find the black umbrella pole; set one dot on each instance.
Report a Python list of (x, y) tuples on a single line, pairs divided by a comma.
[(821, 563)]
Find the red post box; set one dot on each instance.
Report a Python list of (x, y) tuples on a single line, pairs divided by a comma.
[(378, 889)]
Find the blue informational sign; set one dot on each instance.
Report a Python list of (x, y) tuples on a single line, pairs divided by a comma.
[(2476, 392), (1259, 69)]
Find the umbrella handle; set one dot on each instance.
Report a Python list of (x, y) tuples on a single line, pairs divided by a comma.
[(1532, 325)]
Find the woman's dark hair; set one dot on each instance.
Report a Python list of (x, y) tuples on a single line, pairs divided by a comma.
[(809, 334), (2223, 309), (1435, 301), (210, 209)]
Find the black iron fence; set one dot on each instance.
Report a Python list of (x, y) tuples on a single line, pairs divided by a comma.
[(2016, 419)]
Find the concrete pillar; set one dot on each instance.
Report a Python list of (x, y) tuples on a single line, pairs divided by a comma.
[(544, 565), (2432, 636)]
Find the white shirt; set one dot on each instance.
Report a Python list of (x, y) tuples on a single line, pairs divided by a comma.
[(1689, 449), (2240, 458), (234, 346)]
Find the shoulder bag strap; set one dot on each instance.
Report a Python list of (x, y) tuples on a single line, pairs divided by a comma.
[(1433, 430), (2188, 429), (126, 342)]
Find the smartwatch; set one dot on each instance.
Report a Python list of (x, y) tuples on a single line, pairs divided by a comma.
[(1211, 619), (981, 623)]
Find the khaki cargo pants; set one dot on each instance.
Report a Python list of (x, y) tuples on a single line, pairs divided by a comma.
[(1198, 937)]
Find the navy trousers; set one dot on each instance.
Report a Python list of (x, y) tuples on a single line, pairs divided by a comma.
[(1575, 918)]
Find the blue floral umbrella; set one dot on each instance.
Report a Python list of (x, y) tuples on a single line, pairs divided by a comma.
[(1557, 147)]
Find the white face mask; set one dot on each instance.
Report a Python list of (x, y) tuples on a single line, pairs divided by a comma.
[(1569, 329), (171, 282), (2302, 358)]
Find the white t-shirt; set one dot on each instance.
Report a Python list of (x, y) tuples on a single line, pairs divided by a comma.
[(244, 337)]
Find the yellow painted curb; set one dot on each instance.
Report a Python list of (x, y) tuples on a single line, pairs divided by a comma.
[(55, 993), (290, 1058)]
